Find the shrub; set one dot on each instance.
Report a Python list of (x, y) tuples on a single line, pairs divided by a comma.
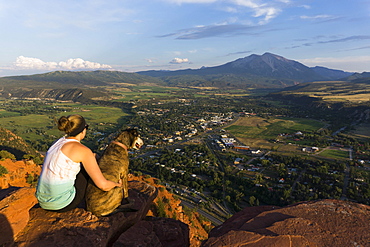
[(6, 155), (161, 209), (32, 179), (3, 170)]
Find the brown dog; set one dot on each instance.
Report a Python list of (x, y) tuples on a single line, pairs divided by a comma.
[(114, 166)]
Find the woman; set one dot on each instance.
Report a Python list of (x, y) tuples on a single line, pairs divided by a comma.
[(63, 180)]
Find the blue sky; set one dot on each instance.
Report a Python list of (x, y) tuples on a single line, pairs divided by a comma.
[(38, 36)]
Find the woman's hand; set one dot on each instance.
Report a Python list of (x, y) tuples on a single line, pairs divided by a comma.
[(110, 185)]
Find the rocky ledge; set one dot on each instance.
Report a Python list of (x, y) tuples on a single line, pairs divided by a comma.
[(324, 223), (25, 224)]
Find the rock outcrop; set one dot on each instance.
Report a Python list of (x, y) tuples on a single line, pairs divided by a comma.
[(18, 173), (156, 232), (323, 223), (167, 206), (14, 211), (79, 227)]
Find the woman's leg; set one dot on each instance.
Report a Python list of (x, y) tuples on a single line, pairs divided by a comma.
[(80, 184)]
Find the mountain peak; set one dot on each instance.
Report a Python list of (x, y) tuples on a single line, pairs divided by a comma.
[(267, 58)]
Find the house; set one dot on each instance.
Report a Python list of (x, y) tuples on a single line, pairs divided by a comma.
[(237, 161), (241, 147)]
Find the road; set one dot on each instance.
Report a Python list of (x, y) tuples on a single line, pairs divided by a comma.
[(214, 220)]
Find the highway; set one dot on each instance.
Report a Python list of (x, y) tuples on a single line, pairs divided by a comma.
[(211, 218)]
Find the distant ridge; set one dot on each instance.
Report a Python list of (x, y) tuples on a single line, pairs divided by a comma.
[(267, 71), (77, 78), (331, 74)]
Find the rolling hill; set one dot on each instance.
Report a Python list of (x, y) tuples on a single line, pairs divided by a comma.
[(267, 71)]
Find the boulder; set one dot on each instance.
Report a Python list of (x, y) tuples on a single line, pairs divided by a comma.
[(14, 211), (159, 232), (323, 223)]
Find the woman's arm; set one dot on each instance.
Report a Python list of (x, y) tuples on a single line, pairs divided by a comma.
[(91, 166), (81, 153)]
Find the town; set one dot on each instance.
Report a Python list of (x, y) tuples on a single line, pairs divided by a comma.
[(194, 147)]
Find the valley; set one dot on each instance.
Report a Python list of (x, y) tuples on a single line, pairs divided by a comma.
[(217, 152), (220, 139)]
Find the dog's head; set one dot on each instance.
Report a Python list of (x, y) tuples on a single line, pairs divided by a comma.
[(131, 138)]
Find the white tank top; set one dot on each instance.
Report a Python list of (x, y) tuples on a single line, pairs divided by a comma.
[(55, 188)]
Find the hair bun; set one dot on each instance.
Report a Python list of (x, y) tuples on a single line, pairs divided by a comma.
[(72, 124), (63, 123)]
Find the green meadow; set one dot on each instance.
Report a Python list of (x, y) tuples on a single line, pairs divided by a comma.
[(334, 154), (30, 126), (258, 132), (262, 128)]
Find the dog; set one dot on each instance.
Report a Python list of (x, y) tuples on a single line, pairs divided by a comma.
[(114, 165)]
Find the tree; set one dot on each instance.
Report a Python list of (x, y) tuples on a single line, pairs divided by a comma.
[(252, 200), (6, 155), (228, 199)]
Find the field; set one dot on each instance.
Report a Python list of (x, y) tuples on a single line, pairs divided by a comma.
[(337, 91), (144, 92), (334, 154), (256, 131), (361, 131), (31, 126)]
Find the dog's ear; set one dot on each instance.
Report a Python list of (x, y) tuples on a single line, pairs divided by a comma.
[(135, 132)]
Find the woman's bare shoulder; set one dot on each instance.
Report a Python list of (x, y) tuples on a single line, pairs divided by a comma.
[(75, 149)]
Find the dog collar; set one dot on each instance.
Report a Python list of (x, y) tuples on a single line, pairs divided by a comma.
[(120, 144)]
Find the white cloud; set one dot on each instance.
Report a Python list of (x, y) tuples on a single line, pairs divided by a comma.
[(33, 63), (306, 6), (316, 17), (25, 63), (267, 10), (179, 60)]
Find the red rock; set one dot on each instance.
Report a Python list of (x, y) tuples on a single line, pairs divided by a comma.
[(80, 228), (323, 223), (159, 232), (18, 172), (14, 211)]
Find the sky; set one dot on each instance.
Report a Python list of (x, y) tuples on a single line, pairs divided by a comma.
[(38, 36)]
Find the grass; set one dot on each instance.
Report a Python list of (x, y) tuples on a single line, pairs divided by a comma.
[(361, 131), (334, 154), (256, 131), (262, 128), (4, 114), (33, 126)]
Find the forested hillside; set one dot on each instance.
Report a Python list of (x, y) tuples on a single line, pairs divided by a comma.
[(17, 146)]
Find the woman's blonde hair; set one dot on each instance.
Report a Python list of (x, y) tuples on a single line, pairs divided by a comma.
[(72, 125)]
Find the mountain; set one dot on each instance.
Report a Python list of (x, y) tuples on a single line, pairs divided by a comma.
[(267, 66), (331, 74), (63, 79), (358, 76), (82, 86), (255, 71)]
